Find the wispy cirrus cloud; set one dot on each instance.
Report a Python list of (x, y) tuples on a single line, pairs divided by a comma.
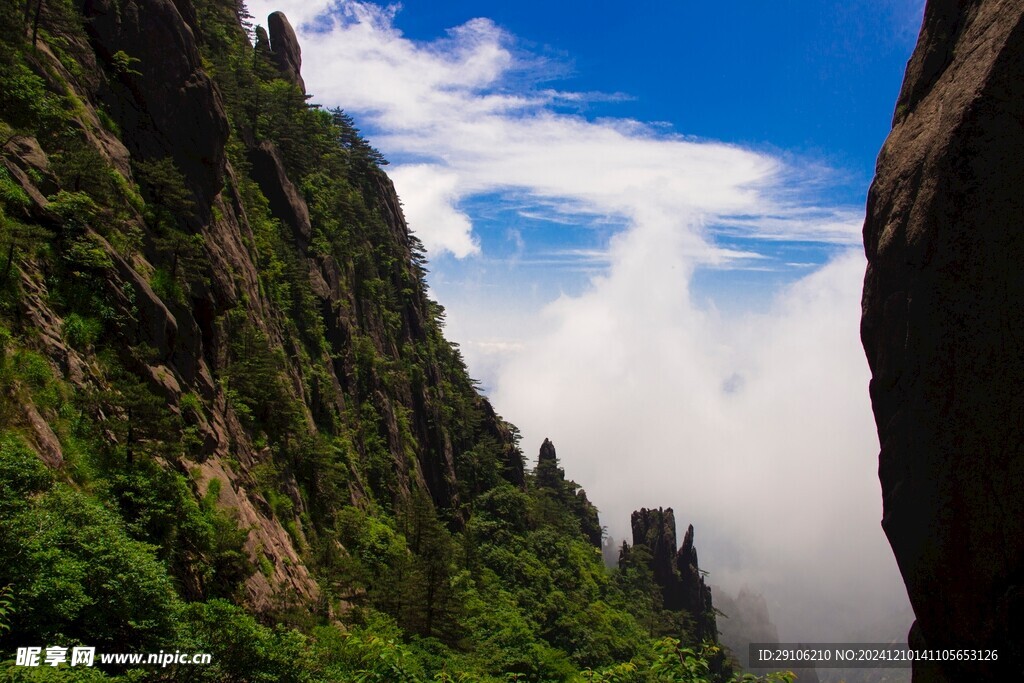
[(839, 226)]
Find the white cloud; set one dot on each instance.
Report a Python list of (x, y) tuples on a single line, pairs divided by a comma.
[(757, 427), (429, 196), (835, 226)]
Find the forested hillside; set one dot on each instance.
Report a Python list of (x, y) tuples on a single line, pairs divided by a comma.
[(229, 420)]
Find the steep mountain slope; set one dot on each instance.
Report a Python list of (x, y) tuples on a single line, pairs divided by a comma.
[(284, 343), (943, 332)]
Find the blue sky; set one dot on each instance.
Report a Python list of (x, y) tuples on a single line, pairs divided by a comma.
[(644, 221), (810, 77)]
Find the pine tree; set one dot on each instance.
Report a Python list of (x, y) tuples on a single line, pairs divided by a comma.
[(433, 607), (139, 418)]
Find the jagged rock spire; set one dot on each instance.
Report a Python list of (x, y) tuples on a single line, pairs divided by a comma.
[(263, 42), (286, 53), (547, 452), (549, 474), (676, 572)]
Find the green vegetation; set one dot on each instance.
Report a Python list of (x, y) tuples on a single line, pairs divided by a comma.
[(139, 316)]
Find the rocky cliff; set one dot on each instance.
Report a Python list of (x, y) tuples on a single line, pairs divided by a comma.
[(943, 329), (245, 257), (675, 568)]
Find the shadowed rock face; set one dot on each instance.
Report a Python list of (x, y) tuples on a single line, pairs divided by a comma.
[(676, 572), (167, 96), (286, 202), (287, 53), (943, 329)]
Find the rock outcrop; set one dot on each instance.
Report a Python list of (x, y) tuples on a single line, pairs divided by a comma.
[(512, 458), (287, 54), (675, 571), (548, 472), (943, 329), (551, 477), (171, 105), (286, 203)]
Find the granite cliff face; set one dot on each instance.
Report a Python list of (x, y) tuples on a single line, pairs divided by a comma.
[(943, 329), (164, 96)]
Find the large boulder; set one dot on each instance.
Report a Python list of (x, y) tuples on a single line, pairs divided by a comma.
[(943, 328), (286, 202)]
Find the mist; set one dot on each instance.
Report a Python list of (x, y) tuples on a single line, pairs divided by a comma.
[(755, 428)]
